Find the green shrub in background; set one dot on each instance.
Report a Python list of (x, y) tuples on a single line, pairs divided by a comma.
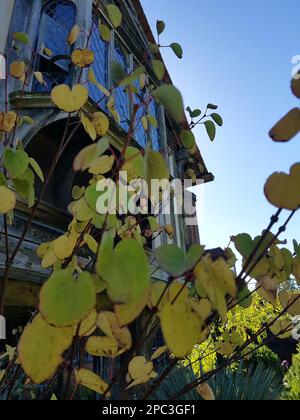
[(292, 380)]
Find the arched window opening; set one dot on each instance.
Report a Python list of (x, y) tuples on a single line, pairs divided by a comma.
[(58, 18), (43, 148)]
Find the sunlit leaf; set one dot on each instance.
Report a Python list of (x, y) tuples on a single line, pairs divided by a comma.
[(188, 139), (21, 37), (69, 100)]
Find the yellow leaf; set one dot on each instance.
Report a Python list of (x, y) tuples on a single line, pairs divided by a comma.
[(217, 280), (294, 301), (287, 128), (89, 127), (48, 52), (283, 190), (8, 200), (40, 78), (89, 154), (102, 347), (17, 69), (140, 371), (81, 211), (94, 81), (206, 392), (8, 121), (101, 123), (159, 352), (82, 58), (268, 289), (181, 327), (108, 323), (63, 247), (145, 123), (88, 325), (73, 35), (41, 347), (69, 100), (284, 298), (282, 328), (91, 243), (203, 308), (92, 381), (102, 165), (49, 259)]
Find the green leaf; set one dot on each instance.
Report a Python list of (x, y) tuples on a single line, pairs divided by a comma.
[(16, 162), (132, 77), (35, 166), (105, 32), (115, 15), (296, 248), (127, 273), (244, 244), (152, 120), (244, 298), (117, 72), (170, 97), (171, 259), (194, 255), (217, 119), (153, 223), (155, 167), (159, 69), (160, 27), (212, 106), (21, 37), (3, 182), (66, 301), (177, 50), (188, 139), (211, 130)]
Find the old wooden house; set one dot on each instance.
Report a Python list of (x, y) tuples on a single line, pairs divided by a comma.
[(48, 23)]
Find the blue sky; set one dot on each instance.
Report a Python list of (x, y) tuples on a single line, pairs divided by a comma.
[(237, 54)]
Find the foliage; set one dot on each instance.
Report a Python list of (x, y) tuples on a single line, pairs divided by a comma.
[(292, 382), (204, 303), (255, 384)]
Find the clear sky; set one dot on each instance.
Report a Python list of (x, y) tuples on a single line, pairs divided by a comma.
[(237, 54)]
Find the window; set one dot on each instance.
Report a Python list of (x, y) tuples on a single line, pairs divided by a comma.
[(140, 135), (58, 18), (122, 100), (100, 66), (154, 132)]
